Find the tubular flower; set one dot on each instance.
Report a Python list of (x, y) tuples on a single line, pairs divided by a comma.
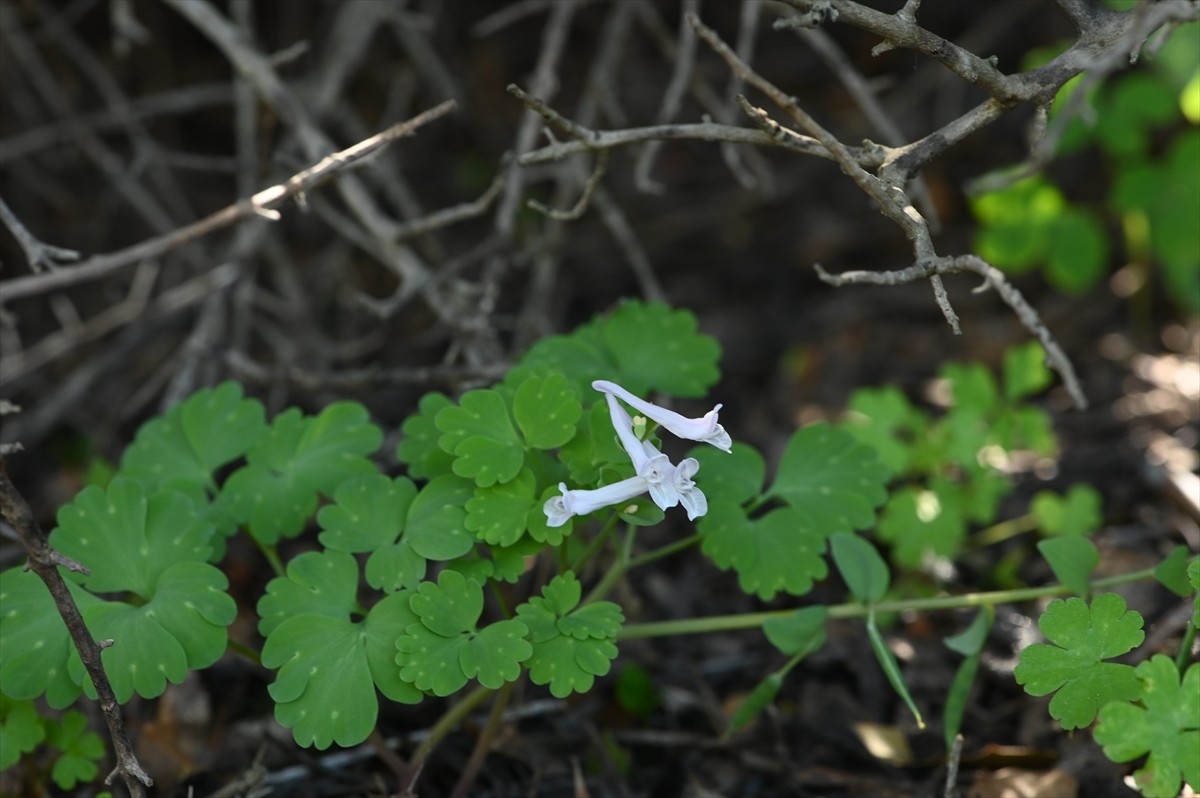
[(704, 430), (690, 496), (650, 464), (581, 502)]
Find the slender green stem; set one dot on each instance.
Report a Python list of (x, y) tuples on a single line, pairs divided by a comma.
[(595, 544), (753, 620), (615, 571), (245, 651), (447, 723), (1003, 531), (484, 743), (272, 555), (500, 602), (664, 551)]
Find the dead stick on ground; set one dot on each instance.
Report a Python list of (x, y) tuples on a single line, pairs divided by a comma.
[(44, 562)]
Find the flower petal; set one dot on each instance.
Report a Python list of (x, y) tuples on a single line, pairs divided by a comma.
[(704, 429)]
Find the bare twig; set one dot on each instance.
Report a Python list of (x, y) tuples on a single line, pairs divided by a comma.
[(40, 255), (896, 205), (44, 562), (261, 204)]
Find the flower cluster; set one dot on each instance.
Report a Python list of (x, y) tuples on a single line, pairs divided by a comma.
[(667, 483)]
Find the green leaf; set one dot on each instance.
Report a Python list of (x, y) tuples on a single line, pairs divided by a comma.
[(969, 641), (921, 523), (799, 632), (449, 606), (384, 625), (498, 515), (34, 643), (734, 477), (445, 649), (861, 567), (891, 669), (1166, 726), (641, 511), (547, 409), (1193, 572), (316, 583), (1072, 559), (193, 439), (1016, 221), (761, 697), (297, 458), (436, 519), (635, 691), (831, 477), (1172, 572), (658, 349), (956, 698), (21, 730), (883, 419), (128, 538), (495, 655), (1073, 668), (973, 387), (1130, 110), (571, 645), (581, 356), (419, 448), (367, 513), (81, 749), (1078, 252), (594, 446), (783, 550), (1025, 372), (183, 627), (1076, 513), (323, 689), (480, 434)]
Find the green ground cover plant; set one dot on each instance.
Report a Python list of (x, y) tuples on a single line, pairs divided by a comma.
[(565, 459)]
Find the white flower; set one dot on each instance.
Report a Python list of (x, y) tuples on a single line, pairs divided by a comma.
[(690, 496), (581, 502), (650, 464), (704, 430)]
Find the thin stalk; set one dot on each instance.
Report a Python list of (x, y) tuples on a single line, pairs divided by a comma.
[(484, 743), (272, 555), (754, 620), (245, 651), (446, 724), (595, 544), (1003, 531), (664, 551), (615, 571)]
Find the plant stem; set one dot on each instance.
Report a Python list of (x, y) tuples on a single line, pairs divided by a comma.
[(484, 743), (753, 620), (1004, 530), (245, 651), (446, 724), (272, 555), (664, 551), (594, 545), (615, 571)]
